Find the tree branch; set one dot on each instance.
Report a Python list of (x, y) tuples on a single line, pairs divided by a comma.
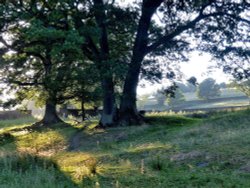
[(34, 54), (100, 17), (238, 18), (180, 29), (4, 42), (26, 83)]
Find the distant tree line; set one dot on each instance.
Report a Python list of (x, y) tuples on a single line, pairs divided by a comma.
[(205, 90)]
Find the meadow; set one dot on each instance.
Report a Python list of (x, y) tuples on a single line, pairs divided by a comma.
[(229, 98), (170, 150)]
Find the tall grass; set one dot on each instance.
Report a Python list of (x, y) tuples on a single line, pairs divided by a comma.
[(22, 170)]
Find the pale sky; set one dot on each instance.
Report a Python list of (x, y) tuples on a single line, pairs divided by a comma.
[(197, 66)]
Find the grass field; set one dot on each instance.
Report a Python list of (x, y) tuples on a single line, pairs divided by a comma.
[(228, 98), (170, 151), (225, 93)]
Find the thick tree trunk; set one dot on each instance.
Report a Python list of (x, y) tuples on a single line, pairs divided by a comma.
[(50, 115), (109, 107), (109, 112), (128, 111)]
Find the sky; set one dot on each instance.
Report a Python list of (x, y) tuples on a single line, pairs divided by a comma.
[(197, 66)]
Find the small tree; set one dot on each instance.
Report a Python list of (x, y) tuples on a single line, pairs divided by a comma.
[(177, 99), (160, 97), (243, 86), (208, 89), (223, 85)]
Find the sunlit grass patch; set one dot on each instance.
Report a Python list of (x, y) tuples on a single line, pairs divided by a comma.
[(8, 125), (17, 122), (47, 142), (123, 167), (148, 147), (24, 170), (77, 164)]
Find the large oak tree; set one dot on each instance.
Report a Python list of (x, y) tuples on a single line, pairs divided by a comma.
[(39, 55), (206, 25)]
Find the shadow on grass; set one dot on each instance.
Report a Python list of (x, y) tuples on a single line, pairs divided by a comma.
[(18, 160), (28, 169), (6, 138), (171, 121)]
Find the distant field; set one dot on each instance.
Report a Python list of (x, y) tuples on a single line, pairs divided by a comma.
[(225, 93), (228, 98), (231, 103)]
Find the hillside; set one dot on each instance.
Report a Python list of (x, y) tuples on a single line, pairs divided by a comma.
[(170, 151)]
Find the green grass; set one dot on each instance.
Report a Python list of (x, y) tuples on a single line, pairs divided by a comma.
[(168, 151), (8, 125)]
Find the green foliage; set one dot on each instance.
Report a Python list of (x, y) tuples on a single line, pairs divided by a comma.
[(50, 39), (47, 63), (243, 86), (208, 89)]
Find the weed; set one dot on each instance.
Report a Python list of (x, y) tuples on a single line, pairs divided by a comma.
[(157, 163)]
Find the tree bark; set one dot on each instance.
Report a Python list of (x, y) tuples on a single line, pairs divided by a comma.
[(50, 115), (128, 113), (128, 110), (109, 112), (83, 110)]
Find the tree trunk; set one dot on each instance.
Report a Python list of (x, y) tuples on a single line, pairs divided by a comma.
[(109, 107), (128, 113), (109, 112), (83, 110), (50, 115)]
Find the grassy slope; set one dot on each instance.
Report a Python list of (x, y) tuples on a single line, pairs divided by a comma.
[(172, 151)]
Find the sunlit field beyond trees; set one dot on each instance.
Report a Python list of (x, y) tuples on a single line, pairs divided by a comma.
[(168, 151)]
